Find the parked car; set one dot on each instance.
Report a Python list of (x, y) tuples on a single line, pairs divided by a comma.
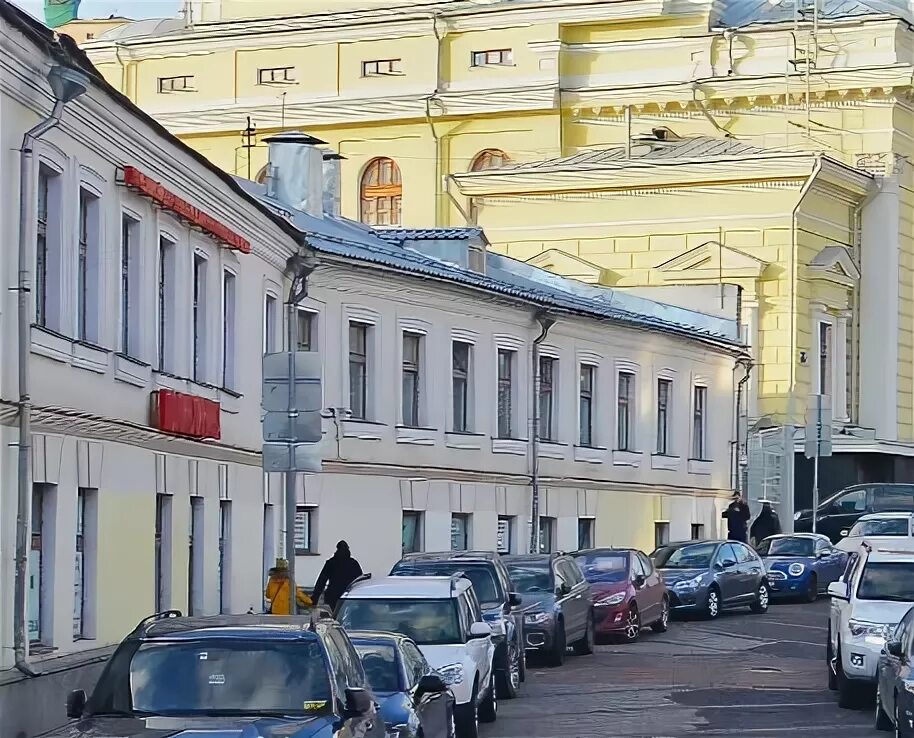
[(710, 576), (801, 564), (415, 702), (558, 604), (500, 605), (879, 528), (895, 681), (442, 616), (840, 511), (265, 675), (628, 592), (867, 603)]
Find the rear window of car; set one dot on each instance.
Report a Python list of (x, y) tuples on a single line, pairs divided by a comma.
[(531, 576), (884, 527), (485, 583), (379, 660), (690, 556), (426, 622), (887, 580), (604, 567), (787, 547)]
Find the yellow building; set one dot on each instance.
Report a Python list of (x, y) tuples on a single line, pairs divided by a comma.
[(638, 144)]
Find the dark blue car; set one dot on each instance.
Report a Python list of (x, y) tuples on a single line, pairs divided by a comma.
[(801, 564), (260, 675), (415, 703)]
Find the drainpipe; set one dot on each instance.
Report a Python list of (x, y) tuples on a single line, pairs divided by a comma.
[(67, 85), (439, 40), (744, 363), (546, 322)]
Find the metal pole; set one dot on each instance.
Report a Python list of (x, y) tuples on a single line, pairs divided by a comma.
[(546, 322), (628, 131), (291, 476), (815, 464)]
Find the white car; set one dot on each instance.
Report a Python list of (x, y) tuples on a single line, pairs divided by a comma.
[(879, 529), (442, 616), (868, 602)]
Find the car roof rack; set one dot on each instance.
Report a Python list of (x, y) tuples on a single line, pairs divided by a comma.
[(155, 617), (360, 578)]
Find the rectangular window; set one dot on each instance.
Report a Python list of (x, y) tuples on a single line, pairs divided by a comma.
[(87, 265), (48, 254), (162, 552), (269, 537), (182, 83), (506, 359), (130, 232), (269, 324), (585, 533), (229, 302), (505, 535), (460, 532), (698, 531), (547, 534), (276, 76), (225, 555), (625, 437), (84, 591), (358, 370), (664, 397), (41, 250), (460, 383), (412, 531), (165, 305), (825, 358), (412, 350), (306, 321), (381, 67), (304, 522), (493, 58), (79, 577), (585, 405), (195, 557), (547, 398), (661, 534), (699, 423), (199, 318), (37, 549)]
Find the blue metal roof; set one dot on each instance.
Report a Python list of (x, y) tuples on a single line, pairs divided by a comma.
[(739, 13), (399, 235), (504, 276)]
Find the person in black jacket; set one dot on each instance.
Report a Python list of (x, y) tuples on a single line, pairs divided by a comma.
[(766, 524), (737, 515), (338, 573)]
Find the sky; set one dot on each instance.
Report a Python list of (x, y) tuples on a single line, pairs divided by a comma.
[(104, 8)]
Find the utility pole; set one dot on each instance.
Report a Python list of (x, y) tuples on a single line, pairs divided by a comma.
[(249, 141), (818, 443)]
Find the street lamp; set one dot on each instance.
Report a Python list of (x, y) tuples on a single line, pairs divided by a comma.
[(66, 84)]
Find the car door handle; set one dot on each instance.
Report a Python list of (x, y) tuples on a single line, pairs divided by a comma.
[(577, 597)]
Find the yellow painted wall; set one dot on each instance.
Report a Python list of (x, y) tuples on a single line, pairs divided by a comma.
[(304, 58)]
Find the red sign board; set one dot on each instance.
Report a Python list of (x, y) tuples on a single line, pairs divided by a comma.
[(185, 415), (170, 201)]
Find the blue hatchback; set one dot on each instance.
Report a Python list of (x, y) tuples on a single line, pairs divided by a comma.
[(801, 564)]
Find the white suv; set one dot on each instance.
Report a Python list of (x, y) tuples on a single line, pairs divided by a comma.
[(869, 600), (895, 529), (443, 617)]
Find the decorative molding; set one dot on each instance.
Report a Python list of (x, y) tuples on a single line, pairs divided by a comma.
[(701, 466), (665, 463), (507, 341), (464, 441), (360, 314), (570, 265), (711, 262), (464, 335), (551, 450), (591, 455), (627, 458), (414, 325), (416, 436), (512, 446), (362, 431), (834, 264)]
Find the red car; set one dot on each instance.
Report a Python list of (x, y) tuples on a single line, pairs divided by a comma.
[(628, 592)]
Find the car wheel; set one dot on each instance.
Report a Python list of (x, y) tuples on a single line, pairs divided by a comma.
[(584, 647), (712, 606), (508, 676), (632, 624), (848, 692), (829, 664), (488, 708), (556, 656), (467, 717), (812, 588), (883, 721), (662, 624), (762, 599)]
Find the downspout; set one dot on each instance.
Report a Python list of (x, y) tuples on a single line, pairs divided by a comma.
[(857, 242), (739, 444), (546, 322), (439, 39), (24, 291)]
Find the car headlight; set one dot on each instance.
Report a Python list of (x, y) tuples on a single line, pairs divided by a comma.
[(610, 600), (452, 674), (796, 569), (693, 583), (798, 515), (860, 628), (537, 618)]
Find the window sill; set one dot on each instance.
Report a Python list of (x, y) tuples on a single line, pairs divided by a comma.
[(591, 454), (416, 436), (662, 462), (511, 446), (627, 458), (90, 357), (50, 344), (551, 449), (463, 441), (229, 401), (132, 371), (186, 385), (701, 466), (362, 430)]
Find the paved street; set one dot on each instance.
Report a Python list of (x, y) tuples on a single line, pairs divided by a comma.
[(743, 675)]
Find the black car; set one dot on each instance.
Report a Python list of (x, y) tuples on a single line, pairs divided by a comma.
[(895, 681), (264, 675), (839, 512), (558, 604), (501, 606)]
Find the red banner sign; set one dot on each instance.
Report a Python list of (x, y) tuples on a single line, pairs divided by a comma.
[(185, 415), (170, 201)]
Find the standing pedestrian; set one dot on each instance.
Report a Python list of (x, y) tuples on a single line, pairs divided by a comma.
[(338, 573), (766, 524), (737, 515), (277, 591)]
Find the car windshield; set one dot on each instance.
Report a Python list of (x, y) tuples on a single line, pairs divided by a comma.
[(787, 547), (228, 676), (380, 663), (692, 556), (885, 580), (531, 576), (427, 622), (884, 527), (483, 579), (604, 567)]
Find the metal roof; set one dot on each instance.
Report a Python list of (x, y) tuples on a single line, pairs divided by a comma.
[(428, 234), (386, 588), (739, 13)]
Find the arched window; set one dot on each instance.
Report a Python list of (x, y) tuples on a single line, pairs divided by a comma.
[(380, 193), (489, 159), (261, 177)]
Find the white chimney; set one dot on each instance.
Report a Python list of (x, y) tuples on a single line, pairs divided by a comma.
[(295, 175), (332, 183)]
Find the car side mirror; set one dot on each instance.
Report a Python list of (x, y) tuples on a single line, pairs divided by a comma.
[(838, 590), (639, 580), (358, 702), (894, 648), (431, 684), (515, 600), (480, 630), (823, 554), (728, 564), (76, 703)]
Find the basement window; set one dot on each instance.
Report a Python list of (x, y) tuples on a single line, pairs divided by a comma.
[(381, 68), (184, 83), (493, 58), (276, 76)]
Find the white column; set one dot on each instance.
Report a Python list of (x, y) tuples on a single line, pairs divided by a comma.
[(839, 400)]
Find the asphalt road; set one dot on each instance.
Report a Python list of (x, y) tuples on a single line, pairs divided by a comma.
[(741, 676)]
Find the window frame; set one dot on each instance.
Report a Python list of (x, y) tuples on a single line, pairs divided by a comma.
[(287, 77), (382, 67), (509, 522), (461, 402), (363, 360), (586, 395), (547, 534), (467, 520), (168, 86), (700, 422), (589, 523), (825, 356), (664, 413), (166, 312), (306, 319), (485, 160), (502, 57), (129, 255), (200, 318), (419, 535), (88, 265), (271, 321), (548, 369), (630, 441), (309, 512), (506, 389), (411, 368), (661, 533), (229, 375), (390, 193)]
